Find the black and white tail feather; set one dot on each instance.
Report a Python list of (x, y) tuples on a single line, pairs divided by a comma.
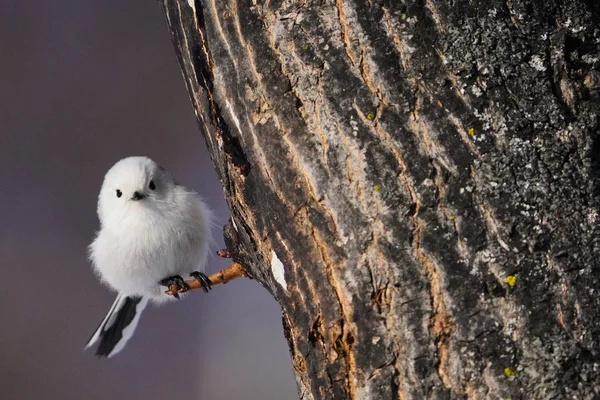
[(118, 325)]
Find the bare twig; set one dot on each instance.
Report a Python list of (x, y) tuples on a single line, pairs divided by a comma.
[(224, 253), (223, 276)]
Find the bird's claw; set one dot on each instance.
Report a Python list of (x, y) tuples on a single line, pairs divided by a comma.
[(176, 285), (203, 280)]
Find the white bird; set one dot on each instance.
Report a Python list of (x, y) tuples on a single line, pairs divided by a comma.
[(153, 233)]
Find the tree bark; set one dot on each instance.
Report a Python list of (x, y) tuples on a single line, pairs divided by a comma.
[(415, 182)]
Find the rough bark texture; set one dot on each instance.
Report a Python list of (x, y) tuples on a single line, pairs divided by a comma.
[(415, 182)]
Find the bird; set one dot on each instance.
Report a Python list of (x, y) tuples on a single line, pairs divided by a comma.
[(153, 233)]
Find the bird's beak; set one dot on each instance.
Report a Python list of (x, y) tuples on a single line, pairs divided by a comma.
[(138, 196)]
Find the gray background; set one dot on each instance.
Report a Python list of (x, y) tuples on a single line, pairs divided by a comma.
[(83, 84)]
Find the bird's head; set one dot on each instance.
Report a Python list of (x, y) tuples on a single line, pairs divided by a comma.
[(133, 185)]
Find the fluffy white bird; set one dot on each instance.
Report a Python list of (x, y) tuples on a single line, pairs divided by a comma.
[(153, 233)]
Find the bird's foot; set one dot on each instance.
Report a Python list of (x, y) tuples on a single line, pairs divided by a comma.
[(203, 280), (176, 285)]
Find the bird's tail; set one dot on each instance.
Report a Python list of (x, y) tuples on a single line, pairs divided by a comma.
[(118, 325)]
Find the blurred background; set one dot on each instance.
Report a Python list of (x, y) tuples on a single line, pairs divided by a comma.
[(83, 84)]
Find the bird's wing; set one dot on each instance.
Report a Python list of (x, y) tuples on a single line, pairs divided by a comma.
[(118, 325)]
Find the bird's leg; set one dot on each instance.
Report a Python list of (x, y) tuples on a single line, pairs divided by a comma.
[(202, 279), (176, 285)]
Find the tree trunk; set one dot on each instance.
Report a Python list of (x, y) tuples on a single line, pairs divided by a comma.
[(416, 183)]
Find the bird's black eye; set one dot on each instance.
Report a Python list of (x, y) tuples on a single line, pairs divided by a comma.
[(152, 186), (119, 193)]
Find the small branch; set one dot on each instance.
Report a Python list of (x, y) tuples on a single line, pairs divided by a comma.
[(224, 253), (223, 276)]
